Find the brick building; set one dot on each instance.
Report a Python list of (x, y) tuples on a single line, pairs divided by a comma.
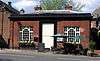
[(5, 11), (40, 26)]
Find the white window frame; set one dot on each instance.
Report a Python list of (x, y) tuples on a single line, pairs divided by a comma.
[(66, 33), (30, 31)]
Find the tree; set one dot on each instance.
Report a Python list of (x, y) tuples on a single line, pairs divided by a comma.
[(59, 5), (78, 7), (94, 34), (51, 4)]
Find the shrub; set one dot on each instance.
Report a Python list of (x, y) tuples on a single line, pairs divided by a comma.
[(92, 45)]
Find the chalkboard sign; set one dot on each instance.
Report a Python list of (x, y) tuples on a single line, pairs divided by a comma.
[(41, 47)]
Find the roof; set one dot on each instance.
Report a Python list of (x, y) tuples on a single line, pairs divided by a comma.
[(53, 15), (8, 7), (56, 11)]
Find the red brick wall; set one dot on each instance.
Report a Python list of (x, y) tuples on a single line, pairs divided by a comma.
[(60, 29), (6, 25), (83, 25), (15, 35)]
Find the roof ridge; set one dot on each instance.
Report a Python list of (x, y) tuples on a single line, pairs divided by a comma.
[(10, 8)]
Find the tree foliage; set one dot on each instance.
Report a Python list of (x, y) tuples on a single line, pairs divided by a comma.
[(78, 7), (52, 4), (92, 45), (95, 36), (60, 5)]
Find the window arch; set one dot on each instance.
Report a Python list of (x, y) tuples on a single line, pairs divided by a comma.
[(26, 34)]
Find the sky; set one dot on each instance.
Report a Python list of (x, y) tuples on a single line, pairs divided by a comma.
[(28, 5)]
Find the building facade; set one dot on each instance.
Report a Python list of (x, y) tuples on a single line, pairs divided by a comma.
[(5, 11), (39, 28)]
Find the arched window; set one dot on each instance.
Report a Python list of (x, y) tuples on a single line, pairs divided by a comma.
[(73, 33), (26, 34)]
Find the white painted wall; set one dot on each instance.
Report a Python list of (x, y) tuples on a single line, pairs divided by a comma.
[(47, 32)]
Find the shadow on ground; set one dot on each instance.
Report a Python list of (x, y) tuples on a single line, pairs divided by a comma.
[(6, 59)]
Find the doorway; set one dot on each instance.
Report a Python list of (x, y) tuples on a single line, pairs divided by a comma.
[(47, 32)]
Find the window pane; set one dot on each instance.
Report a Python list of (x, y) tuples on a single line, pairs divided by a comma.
[(77, 28), (77, 34), (77, 40)]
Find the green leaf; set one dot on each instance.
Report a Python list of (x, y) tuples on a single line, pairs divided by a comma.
[(60, 5)]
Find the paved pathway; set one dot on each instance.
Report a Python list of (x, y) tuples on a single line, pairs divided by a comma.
[(24, 52), (47, 58), (30, 53)]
